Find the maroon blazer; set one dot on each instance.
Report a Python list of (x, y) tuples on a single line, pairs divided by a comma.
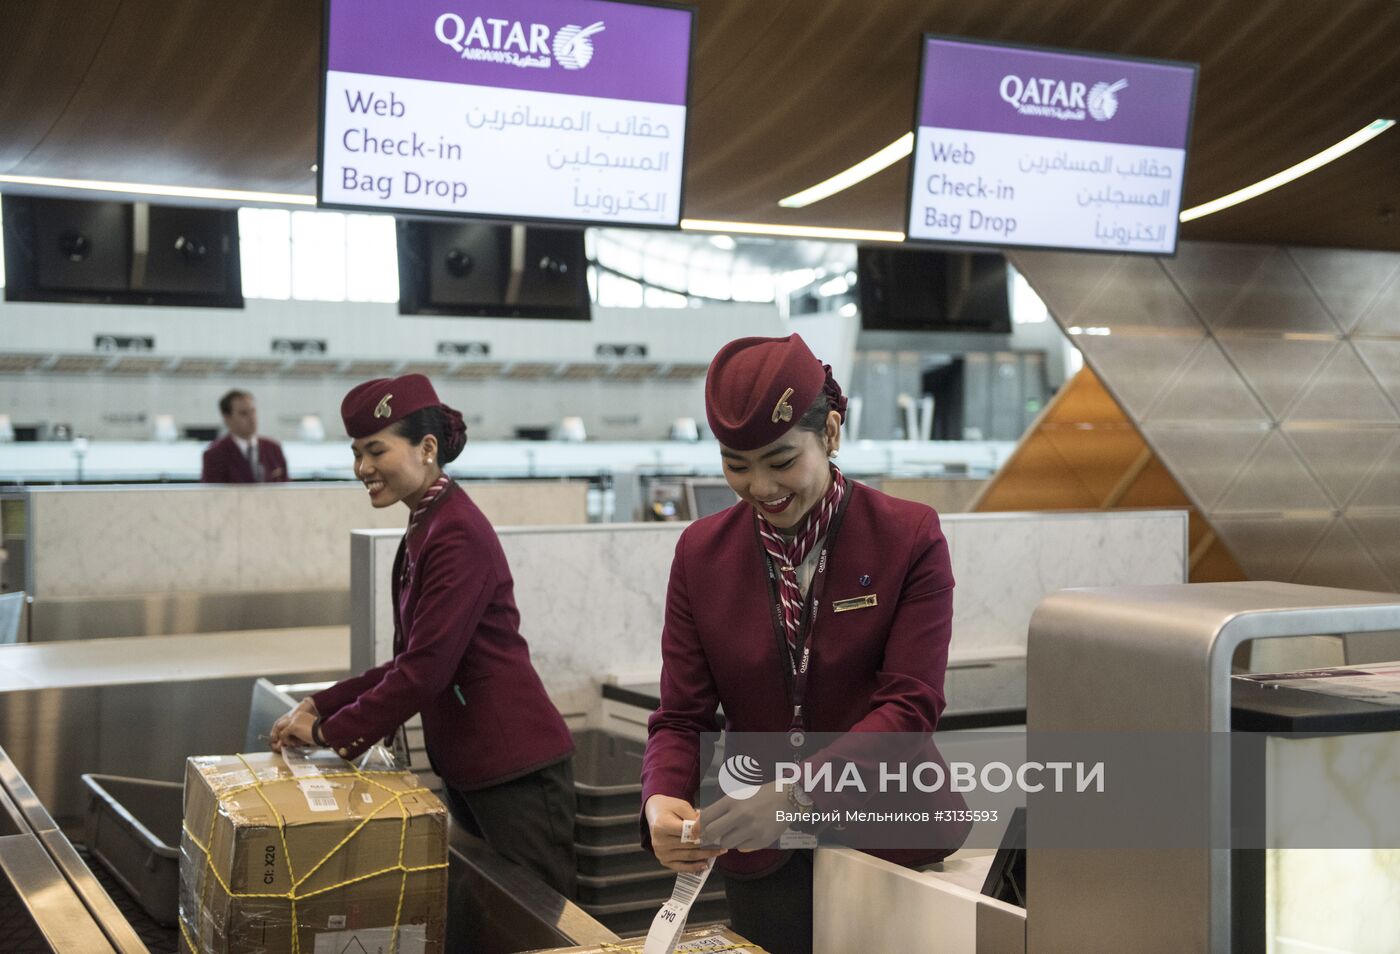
[(878, 669), (459, 659), (224, 463)]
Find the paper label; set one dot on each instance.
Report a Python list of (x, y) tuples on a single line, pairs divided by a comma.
[(320, 797), (669, 923), (412, 940)]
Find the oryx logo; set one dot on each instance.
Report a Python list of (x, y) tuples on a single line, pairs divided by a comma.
[(1103, 99), (740, 777), (573, 45)]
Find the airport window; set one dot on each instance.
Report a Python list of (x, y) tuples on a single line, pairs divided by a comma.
[(318, 256)]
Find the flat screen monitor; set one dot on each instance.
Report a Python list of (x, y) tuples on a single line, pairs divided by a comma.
[(128, 253), (705, 496), (552, 110), (1030, 147), (919, 289), (506, 271)]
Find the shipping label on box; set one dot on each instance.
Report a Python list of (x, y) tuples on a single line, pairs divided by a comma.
[(277, 856)]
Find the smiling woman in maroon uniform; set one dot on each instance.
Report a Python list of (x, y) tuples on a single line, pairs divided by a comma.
[(459, 659), (737, 628)]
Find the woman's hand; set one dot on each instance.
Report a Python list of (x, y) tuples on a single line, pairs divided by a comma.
[(750, 824), (294, 728), (664, 817)]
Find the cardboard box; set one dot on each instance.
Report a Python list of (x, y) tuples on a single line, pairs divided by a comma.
[(703, 940), (304, 855)]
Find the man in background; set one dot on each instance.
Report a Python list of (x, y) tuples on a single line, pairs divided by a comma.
[(241, 456)]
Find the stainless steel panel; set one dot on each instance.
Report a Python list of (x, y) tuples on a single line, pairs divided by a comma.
[(1208, 389), (1382, 489), (51, 904), (1212, 275), (1381, 535), (1346, 281), (1339, 559), (1344, 390), (1137, 294), (1269, 547), (1205, 462), (1278, 369), (1000, 931), (497, 907), (1156, 658), (1382, 317), (1061, 280), (1382, 357), (173, 614), (1340, 457), (1136, 368), (1275, 298), (1273, 480)]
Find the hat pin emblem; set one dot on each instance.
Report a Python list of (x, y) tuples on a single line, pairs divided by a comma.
[(782, 411), (382, 408)]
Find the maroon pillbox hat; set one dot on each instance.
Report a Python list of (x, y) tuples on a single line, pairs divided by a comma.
[(758, 388), (374, 405)]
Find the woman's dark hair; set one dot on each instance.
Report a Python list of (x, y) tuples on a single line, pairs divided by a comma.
[(814, 418), (443, 423)]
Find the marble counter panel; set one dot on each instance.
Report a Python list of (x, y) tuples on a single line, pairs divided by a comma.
[(592, 598), (92, 542)]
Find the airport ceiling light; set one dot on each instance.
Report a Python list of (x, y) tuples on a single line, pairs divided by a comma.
[(792, 231), (161, 191), (859, 172), (1358, 138)]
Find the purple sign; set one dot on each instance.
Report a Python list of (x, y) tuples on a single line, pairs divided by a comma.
[(580, 47), (998, 89)]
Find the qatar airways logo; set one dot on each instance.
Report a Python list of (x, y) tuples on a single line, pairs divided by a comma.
[(515, 43), (1056, 99)]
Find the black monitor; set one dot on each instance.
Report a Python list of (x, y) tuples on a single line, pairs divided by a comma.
[(708, 495), (125, 253), (479, 269), (913, 289)]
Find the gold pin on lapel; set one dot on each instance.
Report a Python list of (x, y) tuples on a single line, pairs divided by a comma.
[(855, 603), (382, 408), (782, 411)]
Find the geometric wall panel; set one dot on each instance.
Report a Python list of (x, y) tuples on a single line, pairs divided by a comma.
[(1346, 281), (1212, 275), (1206, 461), (1273, 480), (1208, 389), (1269, 548), (1277, 298), (1277, 368), (1340, 559), (1344, 390), (1340, 458), (1382, 317), (1083, 453), (1382, 356), (1154, 358), (1283, 426)]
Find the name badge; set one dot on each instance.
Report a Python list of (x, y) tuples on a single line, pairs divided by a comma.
[(855, 603)]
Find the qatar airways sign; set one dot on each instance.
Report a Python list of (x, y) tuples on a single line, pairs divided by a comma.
[(554, 110), (1030, 147)]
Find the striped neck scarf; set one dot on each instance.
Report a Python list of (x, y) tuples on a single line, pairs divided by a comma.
[(787, 553), (429, 495)]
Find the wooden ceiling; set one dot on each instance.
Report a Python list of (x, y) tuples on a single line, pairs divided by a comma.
[(785, 93)]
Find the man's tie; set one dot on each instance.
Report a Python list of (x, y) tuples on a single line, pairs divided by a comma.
[(253, 462)]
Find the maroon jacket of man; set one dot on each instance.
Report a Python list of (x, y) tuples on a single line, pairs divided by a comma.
[(878, 669), (459, 659), (224, 463)]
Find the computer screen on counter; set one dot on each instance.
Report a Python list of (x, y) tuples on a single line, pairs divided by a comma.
[(1019, 146), (544, 110)]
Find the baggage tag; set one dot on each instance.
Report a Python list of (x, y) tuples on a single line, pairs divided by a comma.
[(669, 923)]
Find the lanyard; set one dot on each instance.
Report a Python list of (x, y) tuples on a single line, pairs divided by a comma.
[(795, 672)]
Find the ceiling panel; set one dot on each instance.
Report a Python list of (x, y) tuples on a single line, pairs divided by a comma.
[(785, 93)]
